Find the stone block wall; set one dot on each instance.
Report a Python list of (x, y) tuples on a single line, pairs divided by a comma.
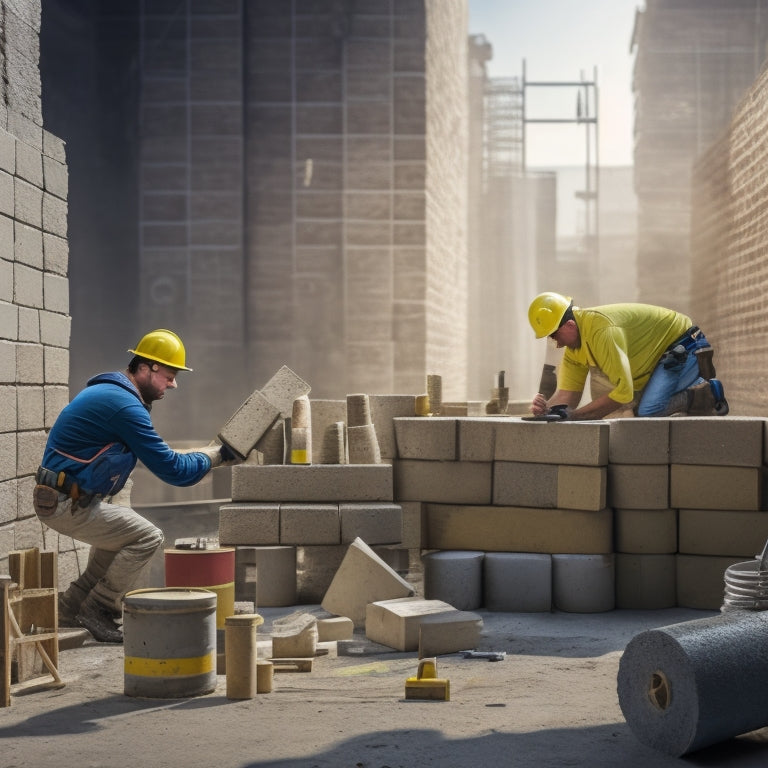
[(729, 238), (34, 289)]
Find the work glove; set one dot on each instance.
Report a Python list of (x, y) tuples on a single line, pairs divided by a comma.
[(561, 410), (219, 454)]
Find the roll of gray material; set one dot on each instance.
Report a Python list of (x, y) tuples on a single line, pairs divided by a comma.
[(694, 684)]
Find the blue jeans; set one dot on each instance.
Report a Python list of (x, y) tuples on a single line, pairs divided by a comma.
[(667, 382)]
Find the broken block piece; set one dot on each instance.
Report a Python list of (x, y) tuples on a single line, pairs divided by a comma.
[(294, 636), (335, 628), (449, 632), (396, 622), (362, 578)]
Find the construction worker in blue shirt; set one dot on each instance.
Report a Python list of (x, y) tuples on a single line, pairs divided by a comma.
[(654, 359), (91, 451)]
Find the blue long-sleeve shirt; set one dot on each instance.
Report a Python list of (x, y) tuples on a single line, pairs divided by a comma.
[(99, 436)]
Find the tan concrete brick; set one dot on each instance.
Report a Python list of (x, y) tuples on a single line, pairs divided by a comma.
[(728, 533), (581, 487), (460, 482), (518, 529), (325, 413), (430, 439), (570, 442), (477, 438), (283, 388), (646, 582), (362, 578), (449, 632), (373, 523), (396, 623), (249, 524), (638, 486), (335, 628), (308, 524), (731, 441), (384, 410), (412, 524), (249, 423), (521, 484), (314, 483), (638, 441), (30, 451), (702, 487), (645, 531), (701, 581)]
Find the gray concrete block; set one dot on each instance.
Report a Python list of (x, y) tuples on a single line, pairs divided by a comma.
[(384, 410), (249, 423), (28, 323), (27, 286), (249, 524), (518, 582), (56, 397), (517, 529), (412, 524), (56, 254), (455, 577), (310, 524), (266, 575), (56, 292), (316, 483), (28, 204), (29, 164), (55, 177), (646, 582), (9, 362), (702, 487), (430, 439), (638, 486), (584, 443), (477, 438), (646, 531), (9, 321), (731, 441), (362, 578), (8, 409), (54, 328), (363, 445), (460, 482), (56, 362), (396, 622), (728, 533), (7, 152), (373, 523), (583, 583), (700, 580), (28, 245), (29, 364), (31, 407), (325, 413), (283, 388), (522, 484)]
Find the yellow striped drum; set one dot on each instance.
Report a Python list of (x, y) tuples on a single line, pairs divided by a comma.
[(169, 637)]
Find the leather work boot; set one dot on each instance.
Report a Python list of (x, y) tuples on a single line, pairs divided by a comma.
[(67, 613), (707, 399), (98, 620)]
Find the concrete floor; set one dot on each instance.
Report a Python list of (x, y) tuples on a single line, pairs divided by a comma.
[(551, 702)]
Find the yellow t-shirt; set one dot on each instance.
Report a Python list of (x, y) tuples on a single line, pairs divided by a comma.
[(625, 341)]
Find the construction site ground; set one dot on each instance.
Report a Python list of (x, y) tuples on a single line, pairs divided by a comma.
[(551, 702)]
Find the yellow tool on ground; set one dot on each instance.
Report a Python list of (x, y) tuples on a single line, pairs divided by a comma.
[(426, 684)]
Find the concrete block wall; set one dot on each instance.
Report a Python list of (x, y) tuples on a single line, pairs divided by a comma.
[(34, 289)]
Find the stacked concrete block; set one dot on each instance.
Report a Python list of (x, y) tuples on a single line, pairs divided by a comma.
[(455, 577), (716, 482), (583, 583), (517, 582), (266, 576)]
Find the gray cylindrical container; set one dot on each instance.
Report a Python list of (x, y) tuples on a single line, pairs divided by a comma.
[(169, 637)]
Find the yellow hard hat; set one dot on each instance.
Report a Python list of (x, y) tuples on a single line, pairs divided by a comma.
[(163, 347), (546, 312)]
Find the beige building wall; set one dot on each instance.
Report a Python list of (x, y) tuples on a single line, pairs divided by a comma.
[(34, 290), (729, 240)]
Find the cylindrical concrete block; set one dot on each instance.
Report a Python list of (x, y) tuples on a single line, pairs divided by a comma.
[(363, 445), (265, 671), (646, 582), (435, 393), (241, 644), (694, 684), (358, 410), (455, 578), (518, 582), (301, 445), (275, 576), (583, 583)]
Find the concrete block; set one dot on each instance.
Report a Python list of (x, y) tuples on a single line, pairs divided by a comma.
[(709, 487), (412, 524), (335, 628), (241, 524), (646, 582), (584, 443), (430, 439), (249, 423), (731, 441), (294, 636), (730, 533), (581, 487), (583, 583), (316, 483), (477, 438), (517, 582), (362, 578), (646, 531), (373, 523), (9, 320), (638, 486), (310, 524), (56, 361), (325, 413), (396, 622), (316, 567), (522, 484), (454, 577), (27, 286), (518, 529), (460, 482), (449, 632), (266, 575), (701, 580), (363, 444), (638, 441), (384, 410)]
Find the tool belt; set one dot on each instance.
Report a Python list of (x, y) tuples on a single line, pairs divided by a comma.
[(63, 483), (689, 340)]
